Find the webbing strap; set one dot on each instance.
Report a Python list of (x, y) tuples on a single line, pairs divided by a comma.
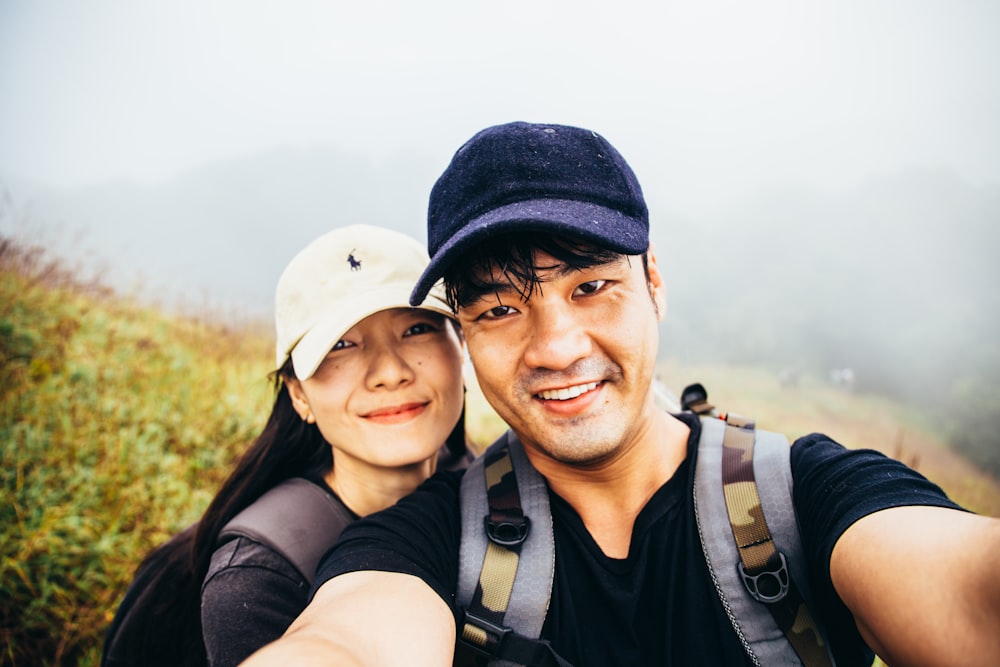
[(762, 567), (506, 562), (506, 520)]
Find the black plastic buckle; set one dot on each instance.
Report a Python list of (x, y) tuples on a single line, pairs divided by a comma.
[(509, 532), (769, 586), (695, 398), (492, 631)]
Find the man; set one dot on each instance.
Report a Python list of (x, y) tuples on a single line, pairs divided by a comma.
[(541, 235)]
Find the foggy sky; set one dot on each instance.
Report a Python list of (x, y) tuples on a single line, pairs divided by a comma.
[(709, 101)]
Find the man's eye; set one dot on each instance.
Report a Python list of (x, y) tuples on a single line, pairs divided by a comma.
[(590, 287), (340, 345), (497, 312)]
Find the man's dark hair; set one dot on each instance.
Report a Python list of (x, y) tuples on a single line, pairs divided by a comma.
[(513, 257)]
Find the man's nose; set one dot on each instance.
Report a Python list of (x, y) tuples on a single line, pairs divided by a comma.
[(556, 338)]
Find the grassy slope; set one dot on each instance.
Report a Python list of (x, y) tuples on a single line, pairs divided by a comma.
[(116, 425)]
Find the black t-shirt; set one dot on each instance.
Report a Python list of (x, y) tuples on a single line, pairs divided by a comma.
[(657, 606), (251, 594)]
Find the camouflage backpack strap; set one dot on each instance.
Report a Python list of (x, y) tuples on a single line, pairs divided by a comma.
[(506, 560), (751, 542)]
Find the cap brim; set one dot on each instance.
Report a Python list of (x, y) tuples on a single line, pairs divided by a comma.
[(579, 220), (309, 352)]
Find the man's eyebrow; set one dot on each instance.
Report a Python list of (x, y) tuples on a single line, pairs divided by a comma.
[(563, 269), (492, 287)]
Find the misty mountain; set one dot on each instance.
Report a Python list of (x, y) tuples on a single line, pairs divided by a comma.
[(221, 234), (896, 279)]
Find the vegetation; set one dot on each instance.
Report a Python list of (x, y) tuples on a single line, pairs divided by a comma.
[(116, 425), (118, 422)]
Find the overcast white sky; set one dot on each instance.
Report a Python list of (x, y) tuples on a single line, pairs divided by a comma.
[(708, 100)]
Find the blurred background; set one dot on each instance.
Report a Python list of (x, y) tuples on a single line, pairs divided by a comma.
[(823, 181), (823, 178)]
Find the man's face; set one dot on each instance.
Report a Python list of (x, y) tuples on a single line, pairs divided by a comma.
[(570, 368)]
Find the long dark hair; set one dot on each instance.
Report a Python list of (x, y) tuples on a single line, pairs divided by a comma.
[(159, 620)]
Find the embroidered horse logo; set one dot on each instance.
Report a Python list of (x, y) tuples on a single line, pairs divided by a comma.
[(355, 264)]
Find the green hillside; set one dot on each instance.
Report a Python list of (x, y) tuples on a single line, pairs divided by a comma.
[(117, 423)]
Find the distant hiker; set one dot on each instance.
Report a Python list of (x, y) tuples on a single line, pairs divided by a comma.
[(842, 378), (541, 235), (369, 402), (789, 376)]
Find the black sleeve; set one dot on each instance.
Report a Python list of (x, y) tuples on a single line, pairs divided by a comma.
[(833, 487), (249, 598), (419, 535)]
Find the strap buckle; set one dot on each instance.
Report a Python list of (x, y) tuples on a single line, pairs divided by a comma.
[(508, 531), (695, 398), (482, 636), (769, 585)]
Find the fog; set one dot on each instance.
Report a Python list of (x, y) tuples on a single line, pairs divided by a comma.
[(823, 178)]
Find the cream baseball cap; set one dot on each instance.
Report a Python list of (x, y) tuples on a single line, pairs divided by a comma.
[(338, 280)]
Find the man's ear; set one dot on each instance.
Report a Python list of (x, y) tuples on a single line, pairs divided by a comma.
[(657, 289), (299, 399)]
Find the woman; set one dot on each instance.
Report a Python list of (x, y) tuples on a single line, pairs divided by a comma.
[(369, 401)]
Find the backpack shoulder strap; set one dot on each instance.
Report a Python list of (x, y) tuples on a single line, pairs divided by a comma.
[(749, 534), (506, 557), (298, 519)]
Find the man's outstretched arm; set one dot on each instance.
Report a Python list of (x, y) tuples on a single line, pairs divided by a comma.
[(923, 584), (367, 618)]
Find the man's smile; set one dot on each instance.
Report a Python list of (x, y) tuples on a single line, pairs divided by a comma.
[(567, 393)]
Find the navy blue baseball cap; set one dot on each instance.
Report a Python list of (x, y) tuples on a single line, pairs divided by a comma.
[(528, 177)]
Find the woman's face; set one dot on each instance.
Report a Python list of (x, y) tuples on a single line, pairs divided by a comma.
[(390, 391)]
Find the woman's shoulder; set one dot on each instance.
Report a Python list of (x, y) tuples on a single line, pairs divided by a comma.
[(245, 557), (298, 520), (249, 597)]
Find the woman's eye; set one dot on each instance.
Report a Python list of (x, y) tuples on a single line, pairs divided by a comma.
[(341, 345), (590, 287), (420, 328)]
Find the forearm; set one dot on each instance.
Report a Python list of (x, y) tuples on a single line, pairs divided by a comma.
[(923, 586), (306, 650), (373, 619), (983, 603)]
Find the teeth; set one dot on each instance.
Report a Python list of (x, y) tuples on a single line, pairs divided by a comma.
[(568, 392)]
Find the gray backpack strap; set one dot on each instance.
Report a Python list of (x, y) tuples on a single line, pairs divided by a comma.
[(297, 518), (763, 640), (504, 466)]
